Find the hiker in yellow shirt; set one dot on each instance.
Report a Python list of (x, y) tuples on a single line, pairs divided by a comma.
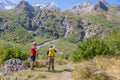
[(51, 55)]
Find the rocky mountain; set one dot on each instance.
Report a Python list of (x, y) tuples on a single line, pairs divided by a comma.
[(82, 7), (6, 5), (25, 6), (26, 23), (87, 7), (102, 4), (118, 7), (50, 5)]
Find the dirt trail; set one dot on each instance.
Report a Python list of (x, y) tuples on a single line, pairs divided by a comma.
[(65, 75)]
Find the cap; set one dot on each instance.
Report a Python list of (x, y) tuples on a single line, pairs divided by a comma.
[(50, 45), (34, 43)]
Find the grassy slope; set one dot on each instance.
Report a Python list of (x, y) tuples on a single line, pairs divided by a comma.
[(40, 73), (85, 70), (97, 69), (63, 48)]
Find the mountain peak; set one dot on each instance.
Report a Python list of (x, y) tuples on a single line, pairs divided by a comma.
[(49, 5), (82, 5), (6, 5), (24, 5), (52, 5), (102, 4)]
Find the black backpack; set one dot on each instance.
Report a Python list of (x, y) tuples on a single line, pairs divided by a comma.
[(47, 52)]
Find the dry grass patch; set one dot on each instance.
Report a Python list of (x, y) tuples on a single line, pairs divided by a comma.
[(97, 69), (40, 72)]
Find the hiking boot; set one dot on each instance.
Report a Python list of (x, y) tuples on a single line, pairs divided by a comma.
[(32, 68), (48, 70)]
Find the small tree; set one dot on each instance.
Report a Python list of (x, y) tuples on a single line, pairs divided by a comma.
[(90, 48)]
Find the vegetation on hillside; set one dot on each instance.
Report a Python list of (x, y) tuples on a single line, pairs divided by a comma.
[(97, 69), (20, 27), (12, 51)]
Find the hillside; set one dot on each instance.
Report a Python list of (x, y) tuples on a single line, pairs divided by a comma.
[(86, 38), (85, 70), (26, 23)]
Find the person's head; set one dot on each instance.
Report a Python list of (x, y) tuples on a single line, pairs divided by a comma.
[(34, 43), (51, 46)]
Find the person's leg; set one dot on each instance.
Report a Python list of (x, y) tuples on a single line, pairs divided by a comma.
[(33, 62), (32, 59), (52, 64), (31, 65), (49, 63)]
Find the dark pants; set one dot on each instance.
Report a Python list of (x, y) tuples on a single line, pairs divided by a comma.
[(51, 62), (32, 58)]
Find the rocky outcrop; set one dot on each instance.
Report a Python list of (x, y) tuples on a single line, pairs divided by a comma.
[(119, 7), (6, 5), (87, 7), (105, 33), (82, 5), (12, 65), (101, 4), (82, 8), (88, 30), (23, 5), (50, 5)]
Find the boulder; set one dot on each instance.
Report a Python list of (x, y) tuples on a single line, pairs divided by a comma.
[(12, 65)]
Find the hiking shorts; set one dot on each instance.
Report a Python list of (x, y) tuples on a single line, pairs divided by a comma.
[(32, 58)]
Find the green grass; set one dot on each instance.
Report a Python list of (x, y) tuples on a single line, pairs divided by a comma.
[(64, 48)]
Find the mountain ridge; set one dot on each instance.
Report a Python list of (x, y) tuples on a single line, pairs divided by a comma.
[(6, 5), (53, 24), (48, 5)]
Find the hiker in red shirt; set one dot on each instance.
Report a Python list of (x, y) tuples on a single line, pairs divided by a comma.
[(33, 53)]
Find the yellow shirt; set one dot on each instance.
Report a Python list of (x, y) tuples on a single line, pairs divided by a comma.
[(51, 52)]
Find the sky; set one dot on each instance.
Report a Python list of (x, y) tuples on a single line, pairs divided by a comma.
[(65, 4)]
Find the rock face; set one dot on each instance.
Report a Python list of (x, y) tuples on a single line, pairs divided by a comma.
[(82, 5), (12, 65), (24, 5), (83, 8), (102, 5), (6, 5), (87, 7), (50, 5), (88, 30)]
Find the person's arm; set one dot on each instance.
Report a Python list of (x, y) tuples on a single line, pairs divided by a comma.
[(55, 50), (36, 51), (47, 52)]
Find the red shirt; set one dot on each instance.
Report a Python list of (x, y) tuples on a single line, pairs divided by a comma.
[(33, 51)]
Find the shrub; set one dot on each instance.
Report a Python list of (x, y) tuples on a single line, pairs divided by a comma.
[(8, 52), (90, 48), (114, 40)]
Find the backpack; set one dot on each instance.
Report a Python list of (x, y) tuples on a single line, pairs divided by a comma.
[(47, 52)]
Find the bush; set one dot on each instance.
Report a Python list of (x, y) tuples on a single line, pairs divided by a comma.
[(8, 52), (114, 40), (90, 48)]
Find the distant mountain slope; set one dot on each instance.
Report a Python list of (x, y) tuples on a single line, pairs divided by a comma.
[(6, 4), (26, 23), (84, 7), (102, 4)]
